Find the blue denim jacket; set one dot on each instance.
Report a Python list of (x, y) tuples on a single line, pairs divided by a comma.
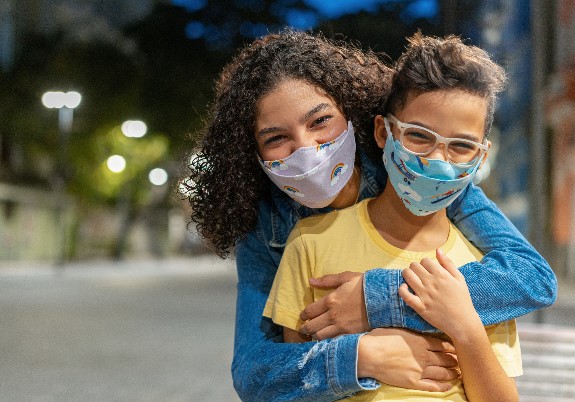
[(511, 280)]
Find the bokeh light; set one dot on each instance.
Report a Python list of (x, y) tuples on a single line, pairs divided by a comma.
[(158, 176), (116, 163)]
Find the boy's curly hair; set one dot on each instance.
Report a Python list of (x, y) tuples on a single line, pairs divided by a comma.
[(431, 63), (226, 181)]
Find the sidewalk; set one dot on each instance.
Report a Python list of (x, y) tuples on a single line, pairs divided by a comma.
[(202, 265)]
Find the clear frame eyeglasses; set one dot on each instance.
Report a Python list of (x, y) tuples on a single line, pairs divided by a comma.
[(422, 141)]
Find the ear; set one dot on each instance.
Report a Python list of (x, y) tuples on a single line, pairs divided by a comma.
[(379, 131)]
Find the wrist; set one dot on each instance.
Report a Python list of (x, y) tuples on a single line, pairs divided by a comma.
[(468, 333), (364, 367)]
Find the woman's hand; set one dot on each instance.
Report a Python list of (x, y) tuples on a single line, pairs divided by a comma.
[(440, 295), (406, 359), (341, 312)]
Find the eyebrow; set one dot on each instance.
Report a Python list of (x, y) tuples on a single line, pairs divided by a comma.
[(318, 108), (462, 136)]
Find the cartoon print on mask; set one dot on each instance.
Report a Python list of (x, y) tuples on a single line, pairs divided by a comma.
[(321, 149), (308, 170), (277, 165), (337, 171), (424, 185)]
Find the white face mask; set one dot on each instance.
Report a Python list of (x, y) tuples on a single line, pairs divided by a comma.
[(314, 176)]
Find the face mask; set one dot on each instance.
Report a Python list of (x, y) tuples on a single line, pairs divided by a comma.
[(424, 185), (314, 176)]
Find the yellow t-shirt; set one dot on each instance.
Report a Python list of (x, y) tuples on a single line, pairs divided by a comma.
[(347, 240)]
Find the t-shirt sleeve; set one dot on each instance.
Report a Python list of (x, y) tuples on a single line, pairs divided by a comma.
[(291, 291), (505, 344)]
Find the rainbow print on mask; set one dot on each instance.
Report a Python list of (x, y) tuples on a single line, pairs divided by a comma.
[(321, 149), (293, 191), (276, 165), (338, 170)]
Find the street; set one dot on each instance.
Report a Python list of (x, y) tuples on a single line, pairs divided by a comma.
[(133, 332), (163, 331)]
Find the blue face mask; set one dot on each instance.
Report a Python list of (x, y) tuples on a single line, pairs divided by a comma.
[(424, 185)]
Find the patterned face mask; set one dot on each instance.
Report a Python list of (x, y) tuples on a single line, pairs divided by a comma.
[(314, 176), (424, 185)]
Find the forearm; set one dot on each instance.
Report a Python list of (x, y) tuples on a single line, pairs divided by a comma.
[(484, 378), (264, 368), (525, 281)]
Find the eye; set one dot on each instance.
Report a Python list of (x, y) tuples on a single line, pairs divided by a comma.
[(412, 134), (272, 140), (463, 146), (321, 120)]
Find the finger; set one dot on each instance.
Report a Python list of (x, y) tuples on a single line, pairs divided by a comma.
[(313, 310), (430, 266), (311, 327), (440, 345), (436, 373), (432, 386), (328, 332), (412, 278), (447, 263), (409, 298), (442, 359), (331, 281)]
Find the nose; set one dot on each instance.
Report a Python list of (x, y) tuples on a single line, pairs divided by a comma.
[(302, 139), (439, 152)]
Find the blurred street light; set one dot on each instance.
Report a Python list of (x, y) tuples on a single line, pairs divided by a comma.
[(116, 163), (158, 176), (65, 102), (134, 128)]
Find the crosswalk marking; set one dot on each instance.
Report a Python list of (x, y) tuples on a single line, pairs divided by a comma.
[(548, 354)]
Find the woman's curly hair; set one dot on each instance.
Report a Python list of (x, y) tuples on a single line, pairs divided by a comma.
[(226, 181)]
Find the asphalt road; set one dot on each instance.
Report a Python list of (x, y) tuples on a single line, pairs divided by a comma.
[(141, 331), (159, 331)]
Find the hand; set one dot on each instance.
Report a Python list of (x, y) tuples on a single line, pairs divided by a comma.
[(441, 296), (407, 359), (340, 312)]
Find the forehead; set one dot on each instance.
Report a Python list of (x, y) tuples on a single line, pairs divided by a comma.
[(292, 95), (440, 108)]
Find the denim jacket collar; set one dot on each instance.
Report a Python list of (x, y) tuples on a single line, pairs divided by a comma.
[(286, 210)]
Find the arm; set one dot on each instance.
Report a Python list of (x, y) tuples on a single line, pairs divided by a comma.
[(526, 280), (263, 368), (436, 285)]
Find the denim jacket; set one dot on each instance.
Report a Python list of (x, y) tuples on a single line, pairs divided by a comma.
[(511, 280)]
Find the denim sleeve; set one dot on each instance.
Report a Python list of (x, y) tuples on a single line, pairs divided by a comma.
[(511, 280), (264, 368)]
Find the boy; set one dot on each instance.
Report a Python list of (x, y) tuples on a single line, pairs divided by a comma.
[(440, 110)]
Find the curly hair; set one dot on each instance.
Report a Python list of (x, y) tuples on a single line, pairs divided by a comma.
[(431, 63), (226, 181)]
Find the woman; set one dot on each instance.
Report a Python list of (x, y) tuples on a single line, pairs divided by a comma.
[(235, 204)]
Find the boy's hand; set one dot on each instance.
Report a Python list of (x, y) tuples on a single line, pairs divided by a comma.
[(440, 295), (340, 312)]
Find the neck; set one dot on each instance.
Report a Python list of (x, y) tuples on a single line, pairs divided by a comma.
[(350, 192), (402, 229)]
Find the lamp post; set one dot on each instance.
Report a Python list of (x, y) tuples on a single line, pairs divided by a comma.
[(65, 102)]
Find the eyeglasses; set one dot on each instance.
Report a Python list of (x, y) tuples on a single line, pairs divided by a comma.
[(422, 141)]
